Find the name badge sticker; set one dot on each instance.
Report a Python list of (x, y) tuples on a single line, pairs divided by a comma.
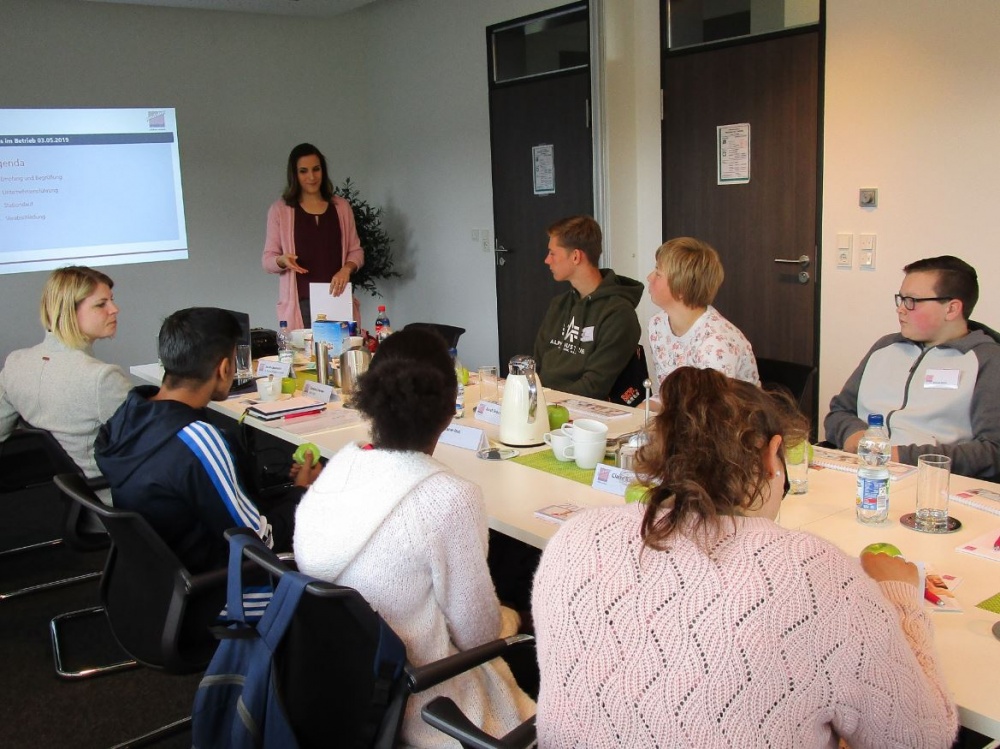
[(587, 334), (942, 379)]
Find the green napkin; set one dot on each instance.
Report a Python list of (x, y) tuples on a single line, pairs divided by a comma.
[(990, 604)]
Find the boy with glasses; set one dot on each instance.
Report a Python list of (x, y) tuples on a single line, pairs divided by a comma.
[(937, 381)]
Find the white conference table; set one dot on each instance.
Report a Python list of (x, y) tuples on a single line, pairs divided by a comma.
[(970, 655)]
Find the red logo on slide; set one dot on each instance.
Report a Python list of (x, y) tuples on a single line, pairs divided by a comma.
[(155, 119)]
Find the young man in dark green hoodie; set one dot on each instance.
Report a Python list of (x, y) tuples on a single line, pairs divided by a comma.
[(589, 333)]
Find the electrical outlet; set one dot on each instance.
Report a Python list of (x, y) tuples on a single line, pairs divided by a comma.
[(844, 255), (484, 238)]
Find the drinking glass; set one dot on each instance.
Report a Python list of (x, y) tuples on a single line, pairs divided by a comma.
[(933, 477), (797, 465), (488, 385), (244, 371)]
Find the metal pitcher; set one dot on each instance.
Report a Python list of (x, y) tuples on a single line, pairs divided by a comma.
[(353, 363)]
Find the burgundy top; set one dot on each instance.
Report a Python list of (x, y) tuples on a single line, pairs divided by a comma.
[(318, 246)]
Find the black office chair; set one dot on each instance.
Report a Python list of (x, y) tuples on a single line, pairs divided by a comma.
[(793, 378), (445, 715), (450, 333), (29, 459), (973, 325), (629, 388), (323, 667), (158, 611)]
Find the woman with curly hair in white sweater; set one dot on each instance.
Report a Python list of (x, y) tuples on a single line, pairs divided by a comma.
[(695, 620), (396, 525)]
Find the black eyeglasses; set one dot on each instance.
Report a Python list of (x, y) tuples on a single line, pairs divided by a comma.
[(910, 302)]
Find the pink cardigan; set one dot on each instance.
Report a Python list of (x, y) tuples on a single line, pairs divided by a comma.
[(281, 241), (771, 637)]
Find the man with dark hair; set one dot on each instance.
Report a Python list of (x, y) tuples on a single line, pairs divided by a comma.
[(590, 332), (166, 462), (937, 381)]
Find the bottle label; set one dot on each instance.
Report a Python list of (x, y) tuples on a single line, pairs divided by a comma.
[(873, 494)]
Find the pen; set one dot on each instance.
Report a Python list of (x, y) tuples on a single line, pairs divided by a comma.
[(996, 544), (304, 413), (933, 598)]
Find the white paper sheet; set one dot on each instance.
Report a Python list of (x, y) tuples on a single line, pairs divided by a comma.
[(322, 302)]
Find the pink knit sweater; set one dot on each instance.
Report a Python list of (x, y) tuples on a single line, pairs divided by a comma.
[(769, 638)]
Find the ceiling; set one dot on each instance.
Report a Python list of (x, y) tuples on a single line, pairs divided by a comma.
[(302, 8)]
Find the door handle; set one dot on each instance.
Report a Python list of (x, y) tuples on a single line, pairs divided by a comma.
[(497, 247), (802, 261)]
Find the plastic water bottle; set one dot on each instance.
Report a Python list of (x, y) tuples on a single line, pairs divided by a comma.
[(382, 329), (286, 354), (460, 393), (874, 450)]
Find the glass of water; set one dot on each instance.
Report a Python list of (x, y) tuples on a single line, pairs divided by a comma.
[(933, 479), (797, 465)]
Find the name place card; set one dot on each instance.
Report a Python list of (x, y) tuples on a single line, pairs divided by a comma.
[(489, 412), (278, 369), (319, 391), (612, 480), (467, 438)]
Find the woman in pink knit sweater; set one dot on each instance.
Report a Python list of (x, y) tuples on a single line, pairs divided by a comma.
[(696, 621)]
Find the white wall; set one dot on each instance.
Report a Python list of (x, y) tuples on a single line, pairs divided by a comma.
[(428, 98), (912, 106), (246, 87)]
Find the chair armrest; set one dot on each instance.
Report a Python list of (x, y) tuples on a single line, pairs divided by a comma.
[(423, 677), (444, 715)]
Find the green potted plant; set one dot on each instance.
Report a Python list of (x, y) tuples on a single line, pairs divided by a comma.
[(374, 241)]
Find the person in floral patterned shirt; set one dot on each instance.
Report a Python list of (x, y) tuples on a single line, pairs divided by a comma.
[(690, 332)]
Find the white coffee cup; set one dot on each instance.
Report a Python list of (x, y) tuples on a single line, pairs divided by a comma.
[(558, 442), (268, 388), (586, 430), (587, 454)]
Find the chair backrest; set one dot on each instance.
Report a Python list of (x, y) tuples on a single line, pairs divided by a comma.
[(793, 378), (973, 325), (32, 457), (159, 612), (324, 667), (450, 333), (628, 389)]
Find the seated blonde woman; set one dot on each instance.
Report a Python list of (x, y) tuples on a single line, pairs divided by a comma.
[(690, 332), (695, 620), (399, 527), (59, 385)]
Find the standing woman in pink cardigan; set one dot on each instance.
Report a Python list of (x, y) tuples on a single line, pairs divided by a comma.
[(696, 621), (311, 237)]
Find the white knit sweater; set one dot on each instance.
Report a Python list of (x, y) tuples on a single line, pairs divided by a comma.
[(411, 538), (771, 638)]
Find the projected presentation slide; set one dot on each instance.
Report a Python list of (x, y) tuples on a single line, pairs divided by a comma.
[(89, 186)]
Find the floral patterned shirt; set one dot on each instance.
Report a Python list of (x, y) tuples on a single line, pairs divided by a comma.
[(712, 343)]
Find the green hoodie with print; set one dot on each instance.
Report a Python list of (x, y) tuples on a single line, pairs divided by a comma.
[(584, 343)]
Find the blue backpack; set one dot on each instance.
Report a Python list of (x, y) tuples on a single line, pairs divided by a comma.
[(237, 705)]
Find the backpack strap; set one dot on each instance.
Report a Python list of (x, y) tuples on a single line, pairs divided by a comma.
[(390, 657), (278, 615), (234, 580)]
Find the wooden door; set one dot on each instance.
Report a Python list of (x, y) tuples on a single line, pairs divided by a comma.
[(772, 84), (554, 111)]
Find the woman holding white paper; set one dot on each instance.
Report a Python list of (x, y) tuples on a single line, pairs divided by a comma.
[(311, 237)]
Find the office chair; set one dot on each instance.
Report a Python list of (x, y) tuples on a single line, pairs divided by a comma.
[(158, 611), (29, 459), (629, 388), (445, 715), (793, 378), (450, 333), (323, 667)]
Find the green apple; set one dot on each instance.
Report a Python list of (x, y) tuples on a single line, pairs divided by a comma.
[(463, 375), (882, 548), (558, 415), (635, 493), (794, 452), (299, 456)]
